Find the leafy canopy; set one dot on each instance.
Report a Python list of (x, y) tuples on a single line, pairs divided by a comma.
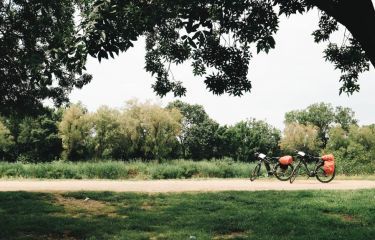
[(45, 44), (217, 37)]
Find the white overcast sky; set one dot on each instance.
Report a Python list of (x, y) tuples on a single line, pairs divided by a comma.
[(292, 76)]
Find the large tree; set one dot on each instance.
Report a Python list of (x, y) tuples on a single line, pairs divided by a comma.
[(44, 49)]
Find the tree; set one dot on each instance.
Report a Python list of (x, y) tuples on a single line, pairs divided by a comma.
[(248, 137), (300, 137), (152, 129), (345, 117), (202, 140), (44, 52), (192, 116), (323, 116), (338, 140), (75, 130), (6, 141), (108, 139), (353, 149), (42, 56), (220, 35), (38, 139)]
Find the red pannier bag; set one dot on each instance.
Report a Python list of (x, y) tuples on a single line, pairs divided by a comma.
[(329, 164), (286, 160), (328, 157)]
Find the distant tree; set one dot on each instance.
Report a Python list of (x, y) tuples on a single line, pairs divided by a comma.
[(38, 139), (353, 149), (247, 137), (107, 139), (6, 142), (153, 129), (75, 130), (323, 116), (345, 117), (338, 140), (300, 137), (202, 140), (192, 116)]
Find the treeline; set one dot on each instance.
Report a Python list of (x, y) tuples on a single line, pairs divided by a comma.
[(180, 130), (138, 131)]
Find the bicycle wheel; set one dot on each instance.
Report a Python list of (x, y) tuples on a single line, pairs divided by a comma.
[(282, 172), (255, 173), (295, 173), (323, 177)]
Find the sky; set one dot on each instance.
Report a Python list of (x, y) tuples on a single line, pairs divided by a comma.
[(292, 76)]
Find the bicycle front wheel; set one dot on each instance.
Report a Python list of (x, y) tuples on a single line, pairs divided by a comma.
[(255, 173), (295, 173), (283, 172), (323, 177)]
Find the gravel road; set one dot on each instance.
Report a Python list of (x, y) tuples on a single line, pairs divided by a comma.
[(191, 185)]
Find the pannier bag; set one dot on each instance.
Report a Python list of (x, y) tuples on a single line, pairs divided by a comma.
[(329, 164), (286, 160), (328, 157)]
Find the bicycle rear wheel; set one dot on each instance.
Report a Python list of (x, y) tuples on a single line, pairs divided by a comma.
[(295, 173), (283, 173), (255, 173), (323, 177)]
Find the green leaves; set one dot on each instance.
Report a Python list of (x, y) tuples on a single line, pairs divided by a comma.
[(323, 116), (327, 25), (42, 55), (215, 35), (351, 60), (102, 54), (44, 50)]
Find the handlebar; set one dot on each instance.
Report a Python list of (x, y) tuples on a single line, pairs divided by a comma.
[(306, 155)]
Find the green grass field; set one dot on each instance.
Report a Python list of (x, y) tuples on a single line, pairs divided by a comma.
[(227, 215)]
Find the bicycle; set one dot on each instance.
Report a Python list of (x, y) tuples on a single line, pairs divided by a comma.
[(317, 172), (280, 171)]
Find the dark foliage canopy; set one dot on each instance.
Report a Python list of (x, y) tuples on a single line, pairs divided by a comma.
[(46, 46)]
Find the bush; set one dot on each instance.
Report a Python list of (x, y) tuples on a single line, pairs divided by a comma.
[(354, 150)]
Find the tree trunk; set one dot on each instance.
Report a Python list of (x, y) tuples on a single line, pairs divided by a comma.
[(357, 16)]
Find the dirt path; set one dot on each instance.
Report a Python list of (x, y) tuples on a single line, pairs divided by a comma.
[(154, 186)]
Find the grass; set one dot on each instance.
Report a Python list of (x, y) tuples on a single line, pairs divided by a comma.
[(173, 169), (226, 215)]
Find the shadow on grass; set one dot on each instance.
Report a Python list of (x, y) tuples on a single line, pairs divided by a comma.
[(225, 215)]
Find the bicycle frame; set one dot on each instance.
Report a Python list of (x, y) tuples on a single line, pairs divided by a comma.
[(303, 160), (267, 163)]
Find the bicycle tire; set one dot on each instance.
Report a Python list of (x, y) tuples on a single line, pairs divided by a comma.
[(294, 174), (321, 170), (255, 173), (280, 177)]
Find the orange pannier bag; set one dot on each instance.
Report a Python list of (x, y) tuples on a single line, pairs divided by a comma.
[(329, 164), (328, 157), (329, 167), (286, 160)]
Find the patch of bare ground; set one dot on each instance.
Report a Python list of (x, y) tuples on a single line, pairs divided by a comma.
[(232, 235), (158, 237), (84, 207), (66, 236), (148, 206), (343, 217)]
